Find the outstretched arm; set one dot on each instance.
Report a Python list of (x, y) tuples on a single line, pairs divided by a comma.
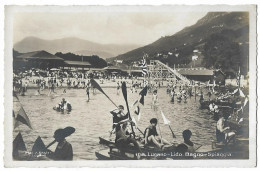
[(113, 112), (146, 136)]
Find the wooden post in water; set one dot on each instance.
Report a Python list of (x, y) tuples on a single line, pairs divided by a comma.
[(195, 92)]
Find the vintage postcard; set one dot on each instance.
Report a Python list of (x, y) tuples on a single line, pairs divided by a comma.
[(117, 86)]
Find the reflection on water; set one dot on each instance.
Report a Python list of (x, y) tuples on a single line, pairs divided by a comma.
[(92, 119)]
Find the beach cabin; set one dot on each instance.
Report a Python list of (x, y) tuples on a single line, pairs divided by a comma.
[(77, 65), (203, 75), (37, 59)]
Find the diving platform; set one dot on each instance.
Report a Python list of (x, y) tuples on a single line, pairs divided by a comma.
[(157, 69)]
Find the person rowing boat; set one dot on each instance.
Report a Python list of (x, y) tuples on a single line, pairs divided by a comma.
[(123, 138), (118, 116), (154, 99), (187, 145), (64, 149)]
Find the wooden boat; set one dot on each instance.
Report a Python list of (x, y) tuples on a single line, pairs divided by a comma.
[(102, 154), (148, 151), (237, 150), (69, 108), (223, 103)]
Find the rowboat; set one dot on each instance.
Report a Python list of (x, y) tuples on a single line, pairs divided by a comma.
[(149, 152), (61, 110), (237, 150)]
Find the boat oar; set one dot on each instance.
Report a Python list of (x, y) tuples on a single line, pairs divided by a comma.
[(97, 86), (64, 132), (140, 131), (124, 91), (199, 145), (53, 142), (173, 135), (167, 122), (134, 121)]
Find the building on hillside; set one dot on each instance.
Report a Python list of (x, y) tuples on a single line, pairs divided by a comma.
[(37, 59), (203, 74), (118, 61)]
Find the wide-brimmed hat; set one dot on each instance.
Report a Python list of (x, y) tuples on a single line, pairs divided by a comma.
[(63, 133)]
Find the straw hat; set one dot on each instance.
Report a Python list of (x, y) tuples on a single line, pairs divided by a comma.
[(63, 133)]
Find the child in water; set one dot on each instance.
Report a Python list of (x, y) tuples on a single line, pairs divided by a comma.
[(172, 95), (118, 88), (155, 99)]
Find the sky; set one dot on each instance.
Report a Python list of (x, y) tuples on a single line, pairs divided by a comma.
[(106, 27)]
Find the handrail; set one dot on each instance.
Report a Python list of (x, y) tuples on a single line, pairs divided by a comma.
[(181, 77)]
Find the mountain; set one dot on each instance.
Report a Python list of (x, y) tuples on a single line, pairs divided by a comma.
[(73, 45), (179, 48)]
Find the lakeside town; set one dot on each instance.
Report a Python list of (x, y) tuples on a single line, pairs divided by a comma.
[(156, 105)]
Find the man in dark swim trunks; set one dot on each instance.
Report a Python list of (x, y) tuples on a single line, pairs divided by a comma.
[(123, 139), (118, 116), (87, 91), (187, 144), (223, 133), (152, 137)]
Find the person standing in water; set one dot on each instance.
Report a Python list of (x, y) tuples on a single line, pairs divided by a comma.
[(87, 91), (172, 95), (201, 96), (209, 95), (185, 98), (154, 99), (118, 88), (52, 88)]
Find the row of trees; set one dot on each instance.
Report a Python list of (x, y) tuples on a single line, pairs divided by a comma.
[(226, 50), (221, 51)]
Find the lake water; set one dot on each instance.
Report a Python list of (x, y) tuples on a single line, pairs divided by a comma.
[(92, 119)]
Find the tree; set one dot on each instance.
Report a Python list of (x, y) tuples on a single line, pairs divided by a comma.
[(94, 60), (222, 53)]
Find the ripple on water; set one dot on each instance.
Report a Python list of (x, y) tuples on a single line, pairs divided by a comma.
[(92, 119)]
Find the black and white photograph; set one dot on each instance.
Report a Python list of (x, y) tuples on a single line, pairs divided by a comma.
[(103, 83)]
